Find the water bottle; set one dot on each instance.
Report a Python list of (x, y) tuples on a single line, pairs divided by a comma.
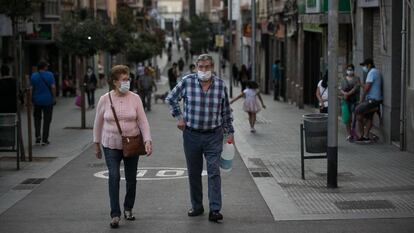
[(226, 159)]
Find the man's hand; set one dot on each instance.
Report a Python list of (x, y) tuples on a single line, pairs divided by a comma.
[(230, 138), (181, 124)]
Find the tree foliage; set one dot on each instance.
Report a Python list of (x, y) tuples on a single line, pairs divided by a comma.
[(83, 38), (199, 30)]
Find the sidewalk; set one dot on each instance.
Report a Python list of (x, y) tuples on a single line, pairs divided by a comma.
[(67, 141), (375, 181)]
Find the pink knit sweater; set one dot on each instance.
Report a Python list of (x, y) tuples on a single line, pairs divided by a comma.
[(131, 117)]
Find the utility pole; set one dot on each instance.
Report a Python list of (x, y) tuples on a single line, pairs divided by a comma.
[(253, 56), (230, 47), (192, 8), (332, 152)]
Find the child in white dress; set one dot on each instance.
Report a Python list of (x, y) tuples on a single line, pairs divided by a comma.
[(251, 105)]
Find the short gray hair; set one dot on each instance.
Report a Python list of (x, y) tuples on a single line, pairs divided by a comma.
[(205, 57)]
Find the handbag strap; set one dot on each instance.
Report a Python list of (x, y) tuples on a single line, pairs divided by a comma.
[(115, 116)]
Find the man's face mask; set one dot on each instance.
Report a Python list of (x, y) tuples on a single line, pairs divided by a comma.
[(204, 75)]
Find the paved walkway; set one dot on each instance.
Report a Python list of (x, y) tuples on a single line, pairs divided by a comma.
[(375, 180)]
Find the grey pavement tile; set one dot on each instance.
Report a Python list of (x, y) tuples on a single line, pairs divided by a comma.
[(367, 173)]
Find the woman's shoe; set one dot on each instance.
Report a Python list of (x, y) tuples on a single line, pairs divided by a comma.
[(114, 222), (128, 215)]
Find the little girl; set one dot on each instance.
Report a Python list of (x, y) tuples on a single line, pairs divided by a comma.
[(251, 105)]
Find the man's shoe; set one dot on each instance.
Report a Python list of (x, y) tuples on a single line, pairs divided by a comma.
[(197, 212), (114, 222), (215, 216), (128, 215), (38, 141)]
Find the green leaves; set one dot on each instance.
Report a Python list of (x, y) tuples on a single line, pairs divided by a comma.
[(199, 30), (82, 38)]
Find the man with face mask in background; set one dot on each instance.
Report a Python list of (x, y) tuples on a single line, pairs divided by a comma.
[(205, 118), (370, 100)]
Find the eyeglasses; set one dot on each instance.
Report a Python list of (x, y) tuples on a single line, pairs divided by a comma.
[(207, 67)]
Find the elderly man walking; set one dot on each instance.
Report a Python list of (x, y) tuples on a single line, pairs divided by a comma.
[(206, 117)]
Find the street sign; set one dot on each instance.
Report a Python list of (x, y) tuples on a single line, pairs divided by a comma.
[(219, 41), (154, 173)]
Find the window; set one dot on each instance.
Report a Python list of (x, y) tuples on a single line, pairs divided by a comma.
[(51, 9)]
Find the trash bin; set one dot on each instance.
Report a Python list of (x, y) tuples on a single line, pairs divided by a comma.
[(316, 132), (7, 129)]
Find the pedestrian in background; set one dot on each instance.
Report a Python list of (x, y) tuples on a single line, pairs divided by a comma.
[(172, 76), (43, 94), (371, 99), (322, 93), (101, 75), (244, 76), (133, 121), (146, 85), (207, 116), (235, 73), (250, 104), (181, 65), (276, 79), (90, 82), (350, 86)]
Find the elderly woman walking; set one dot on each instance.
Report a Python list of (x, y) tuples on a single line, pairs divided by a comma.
[(133, 121)]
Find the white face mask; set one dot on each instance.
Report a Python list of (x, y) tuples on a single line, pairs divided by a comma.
[(365, 69), (349, 72), (124, 87), (204, 75)]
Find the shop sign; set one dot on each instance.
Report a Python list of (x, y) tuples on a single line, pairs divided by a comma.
[(311, 27), (368, 3)]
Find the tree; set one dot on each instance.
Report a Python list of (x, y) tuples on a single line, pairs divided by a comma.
[(199, 31)]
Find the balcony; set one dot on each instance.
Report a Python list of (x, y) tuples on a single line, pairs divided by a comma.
[(51, 9)]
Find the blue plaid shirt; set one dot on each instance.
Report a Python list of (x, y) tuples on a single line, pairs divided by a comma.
[(202, 110)]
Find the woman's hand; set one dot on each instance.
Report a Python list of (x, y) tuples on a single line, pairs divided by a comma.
[(98, 151), (148, 147)]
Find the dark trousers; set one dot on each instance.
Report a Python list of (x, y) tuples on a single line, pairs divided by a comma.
[(276, 89), (172, 85), (91, 98), (113, 159), (146, 98), (197, 144), (46, 111)]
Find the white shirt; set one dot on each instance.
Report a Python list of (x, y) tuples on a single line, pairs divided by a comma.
[(324, 93)]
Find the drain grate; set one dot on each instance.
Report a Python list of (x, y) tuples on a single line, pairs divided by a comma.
[(364, 205), (262, 174), (33, 181), (29, 184)]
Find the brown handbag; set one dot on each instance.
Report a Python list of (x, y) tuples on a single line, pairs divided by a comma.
[(131, 145)]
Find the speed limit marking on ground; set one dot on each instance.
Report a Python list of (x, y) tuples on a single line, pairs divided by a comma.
[(153, 173)]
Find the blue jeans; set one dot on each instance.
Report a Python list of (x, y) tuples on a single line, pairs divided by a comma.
[(113, 159), (197, 144)]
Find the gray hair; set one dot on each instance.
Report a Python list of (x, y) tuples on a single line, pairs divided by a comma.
[(205, 57)]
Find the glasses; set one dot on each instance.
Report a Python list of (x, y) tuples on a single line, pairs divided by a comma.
[(207, 67)]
